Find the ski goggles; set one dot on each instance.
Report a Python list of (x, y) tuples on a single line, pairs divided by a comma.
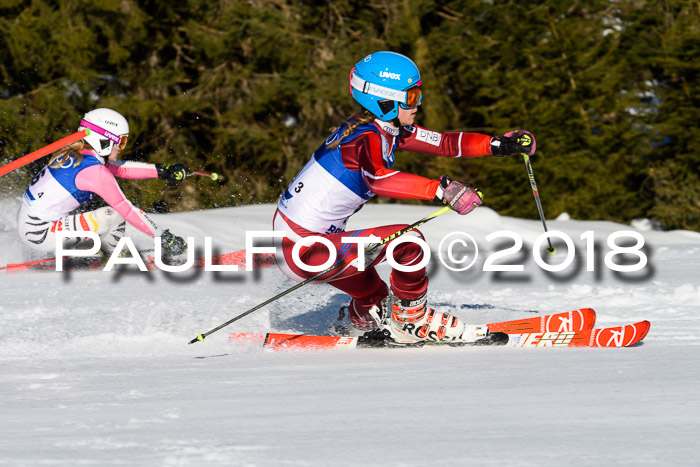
[(408, 99), (413, 97), (122, 142), (119, 141)]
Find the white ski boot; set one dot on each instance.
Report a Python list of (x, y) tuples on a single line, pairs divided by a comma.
[(409, 322)]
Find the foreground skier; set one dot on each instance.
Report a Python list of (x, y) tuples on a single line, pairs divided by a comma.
[(352, 166), (84, 169)]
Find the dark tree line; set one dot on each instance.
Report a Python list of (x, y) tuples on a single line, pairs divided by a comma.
[(249, 89)]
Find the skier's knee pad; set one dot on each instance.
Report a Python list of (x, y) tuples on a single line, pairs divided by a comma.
[(111, 227), (107, 219)]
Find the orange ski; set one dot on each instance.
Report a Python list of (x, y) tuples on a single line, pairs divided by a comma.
[(620, 336), (303, 341), (571, 321), (569, 329), (237, 258)]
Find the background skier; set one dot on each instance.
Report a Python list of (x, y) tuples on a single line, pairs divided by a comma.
[(84, 169)]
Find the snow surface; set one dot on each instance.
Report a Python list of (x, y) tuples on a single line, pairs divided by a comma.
[(95, 368)]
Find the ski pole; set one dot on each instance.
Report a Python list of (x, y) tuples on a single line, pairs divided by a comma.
[(39, 153), (213, 175), (551, 250), (201, 336)]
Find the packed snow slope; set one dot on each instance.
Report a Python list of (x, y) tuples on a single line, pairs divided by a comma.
[(95, 368)]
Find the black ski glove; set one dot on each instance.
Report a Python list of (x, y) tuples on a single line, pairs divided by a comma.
[(175, 172), (172, 245), (513, 143)]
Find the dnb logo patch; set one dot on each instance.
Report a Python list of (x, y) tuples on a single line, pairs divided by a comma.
[(430, 137)]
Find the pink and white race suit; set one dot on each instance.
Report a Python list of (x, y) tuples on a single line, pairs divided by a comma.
[(57, 191)]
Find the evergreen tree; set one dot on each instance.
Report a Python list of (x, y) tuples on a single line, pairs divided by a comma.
[(250, 89)]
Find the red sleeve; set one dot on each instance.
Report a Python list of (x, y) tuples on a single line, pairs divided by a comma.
[(384, 181), (451, 144)]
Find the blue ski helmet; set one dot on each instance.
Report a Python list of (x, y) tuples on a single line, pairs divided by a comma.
[(382, 81)]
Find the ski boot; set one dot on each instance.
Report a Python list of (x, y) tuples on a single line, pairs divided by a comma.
[(413, 323), (359, 320), (353, 327)]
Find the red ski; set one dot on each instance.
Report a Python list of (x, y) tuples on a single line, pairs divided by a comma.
[(620, 336), (237, 258), (277, 341), (569, 329), (570, 321)]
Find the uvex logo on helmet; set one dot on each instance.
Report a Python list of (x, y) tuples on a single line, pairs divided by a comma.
[(388, 74), (111, 136)]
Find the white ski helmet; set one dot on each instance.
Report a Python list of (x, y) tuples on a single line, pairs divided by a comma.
[(107, 129)]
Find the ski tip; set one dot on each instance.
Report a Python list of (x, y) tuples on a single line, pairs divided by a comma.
[(644, 327), (620, 336), (639, 330), (588, 317)]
